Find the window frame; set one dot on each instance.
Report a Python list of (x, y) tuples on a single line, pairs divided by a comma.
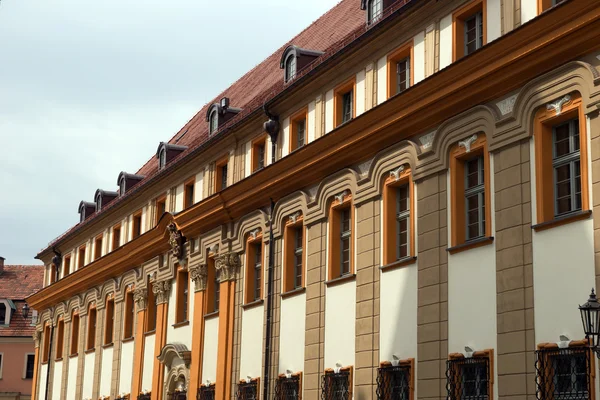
[(386, 366), (136, 225), (301, 115), (544, 122), (544, 5), (371, 18), (401, 53), (60, 337), (329, 371), (338, 103), (250, 278), (459, 17), (182, 300), (213, 289), (129, 317), (458, 158), (213, 122), (90, 343), (390, 230), (455, 358), (75, 326), (46, 345), (290, 253), (188, 193), (160, 202), (288, 61), (255, 155), (334, 231), (116, 243), (66, 266), (150, 309), (244, 385), (81, 250), (27, 355), (98, 243), (295, 377), (109, 323), (221, 184)]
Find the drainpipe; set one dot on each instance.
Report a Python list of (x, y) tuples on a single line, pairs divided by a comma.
[(49, 361), (272, 128)]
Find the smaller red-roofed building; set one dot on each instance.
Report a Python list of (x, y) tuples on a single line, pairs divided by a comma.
[(17, 325)]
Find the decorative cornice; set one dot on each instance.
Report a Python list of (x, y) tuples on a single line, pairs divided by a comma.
[(468, 142), (176, 240), (198, 273), (161, 291), (558, 104), (140, 296), (227, 265)]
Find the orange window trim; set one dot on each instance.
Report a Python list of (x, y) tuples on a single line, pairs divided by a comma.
[(150, 309), (544, 121), (74, 334), (81, 257), (211, 273), (334, 235), (116, 240), (182, 275), (66, 266), (338, 95), (406, 50), (98, 247), (289, 256), (188, 193), (109, 320), (458, 156), (137, 224), (543, 5), (128, 323), (294, 119), (389, 221), (60, 338), (458, 31), (410, 363), (489, 354), (46, 354), (91, 328), (219, 172), (254, 154), (249, 278)]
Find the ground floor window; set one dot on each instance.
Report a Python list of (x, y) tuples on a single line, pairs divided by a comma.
[(469, 378), (394, 382), (206, 392), (288, 387), (248, 390), (337, 385), (563, 373)]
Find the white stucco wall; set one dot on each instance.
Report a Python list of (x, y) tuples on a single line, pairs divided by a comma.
[(106, 371), (329, 111), (198, 187), (72, 376), (292, 333), (252, 343), (148, 362), (269, 151), (143, 220), (360, 92), (211, 341), (88, 376), (446, 41), (285, 138), (182, 334), (528, 10), (179, 197), (381, 80), (57, 382), (310, 131), (248, 160), (126, 374), (419, 57), (493, 19), (340, 324), (43, 374)]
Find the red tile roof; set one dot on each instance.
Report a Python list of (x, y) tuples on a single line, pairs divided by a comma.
[(18, 282), (330, 33)]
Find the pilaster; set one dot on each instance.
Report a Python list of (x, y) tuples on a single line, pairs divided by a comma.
[(140, 297), (198, 275), (161, 290)]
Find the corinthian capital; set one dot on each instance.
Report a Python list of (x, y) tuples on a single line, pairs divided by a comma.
[(140, 296), (37, 338), (227, 264), (198, 273), (161, 291)]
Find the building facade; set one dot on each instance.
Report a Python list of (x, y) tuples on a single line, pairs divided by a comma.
[(397, 204), (17, 326)]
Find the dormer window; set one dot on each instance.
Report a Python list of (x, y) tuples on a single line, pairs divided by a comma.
[(374, 11), (126, 181), (219, 113), (294, 59), (213, 122), (102, 198), (86, 210), (167, 152), (162, 159)]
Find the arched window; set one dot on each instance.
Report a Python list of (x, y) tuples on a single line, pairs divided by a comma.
[(162, 158), (122, 186), (290, 68), (213, 122), (375, 8)]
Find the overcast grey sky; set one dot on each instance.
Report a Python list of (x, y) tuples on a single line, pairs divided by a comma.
[(89, 89)]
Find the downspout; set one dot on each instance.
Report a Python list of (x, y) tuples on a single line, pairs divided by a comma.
[(49, 361), (272, 128)]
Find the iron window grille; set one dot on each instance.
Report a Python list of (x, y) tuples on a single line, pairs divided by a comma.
[(300, 133), (298, 255), (206, 393), (345, 236), (563, 374), (177, 396), (403, 75), (257, 269), (375, 10), (247, 390), (468, 378), (402, 222), (336, 385), (144, 396), (288, 388), (473, 33), (347, 99), (394, 382), (567, 167), (475, 198)]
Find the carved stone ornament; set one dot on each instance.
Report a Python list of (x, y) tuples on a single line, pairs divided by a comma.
[(507, 105), (557, 105), (427, 140), (397, 172), (227, 264), (468, 142), (140, 296), (175, 240), (37, 338), (294, 217), (161, 291), (198, 273), (255, 233), (340, 197)]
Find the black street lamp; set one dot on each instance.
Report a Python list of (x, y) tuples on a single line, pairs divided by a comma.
[(590, 317), (25, 310)]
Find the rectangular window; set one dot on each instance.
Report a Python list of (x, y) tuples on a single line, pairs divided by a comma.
[(81, 257), (469, 378), (469, 29), (74, 334), (110, 321), (567, 167), (341, 223), (137, 225), (473, 27), (257, 270), (46, 352), (475, 198), (337, 385), (29, 365), (375, 10), (150, 309), (344, 103), (399, 69), (221, 174), (66, 266), (564, 373), (402, 222), (259, 154), (206, 392), (345, 233), (98, 247), (129, 315), (189, 193), (298, 256), (116, 237), (395, 382), (161, 207), (182, 296), (254, 262), (289, 387), (91, 329), (298, 130), (60, 337), (248, 390), (212, 285)]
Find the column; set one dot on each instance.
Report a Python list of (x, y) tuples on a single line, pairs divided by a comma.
[(36, 341), (227, 266), (198, 274), (161, 291), (140, 297)]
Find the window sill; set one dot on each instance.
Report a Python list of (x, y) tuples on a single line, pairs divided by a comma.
[(399, 263), (211, 315), (108, 345), (292, 293), (90, 351), (484, 241), (340, 280), (43, 363), (127, 340), (150, 333), (566, 219), (73, 355), (180, 324), (253, 304), (58, 359)]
